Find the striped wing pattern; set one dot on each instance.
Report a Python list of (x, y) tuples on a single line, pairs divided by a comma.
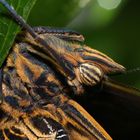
[(36, 105)]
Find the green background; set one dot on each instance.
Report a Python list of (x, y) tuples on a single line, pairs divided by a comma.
[(115, 32)]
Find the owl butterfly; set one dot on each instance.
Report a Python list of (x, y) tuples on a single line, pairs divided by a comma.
[(44, 66)]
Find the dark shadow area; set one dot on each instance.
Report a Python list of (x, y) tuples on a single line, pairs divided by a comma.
[(119, 115)]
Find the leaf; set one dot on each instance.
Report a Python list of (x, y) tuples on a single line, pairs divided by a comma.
[(8, 27)]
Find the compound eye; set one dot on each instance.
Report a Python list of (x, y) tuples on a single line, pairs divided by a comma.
[(90, 74)]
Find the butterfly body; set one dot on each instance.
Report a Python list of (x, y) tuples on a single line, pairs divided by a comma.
[(35, 104)]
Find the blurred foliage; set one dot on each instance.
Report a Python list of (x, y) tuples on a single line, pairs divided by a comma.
[(115, 32), (53, 13)]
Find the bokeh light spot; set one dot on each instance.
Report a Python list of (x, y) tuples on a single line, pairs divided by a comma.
[(109, 4)]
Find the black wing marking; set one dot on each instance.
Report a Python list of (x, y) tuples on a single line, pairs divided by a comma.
[(12, 134)]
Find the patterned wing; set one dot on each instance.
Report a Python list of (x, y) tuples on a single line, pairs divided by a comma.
[(12, 134), (35, 102)]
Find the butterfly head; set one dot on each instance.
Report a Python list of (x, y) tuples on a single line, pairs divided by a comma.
[(93, 66)]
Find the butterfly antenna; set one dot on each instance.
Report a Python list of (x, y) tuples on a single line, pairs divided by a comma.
[(133, 70), (18, 18), (24, 25)]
